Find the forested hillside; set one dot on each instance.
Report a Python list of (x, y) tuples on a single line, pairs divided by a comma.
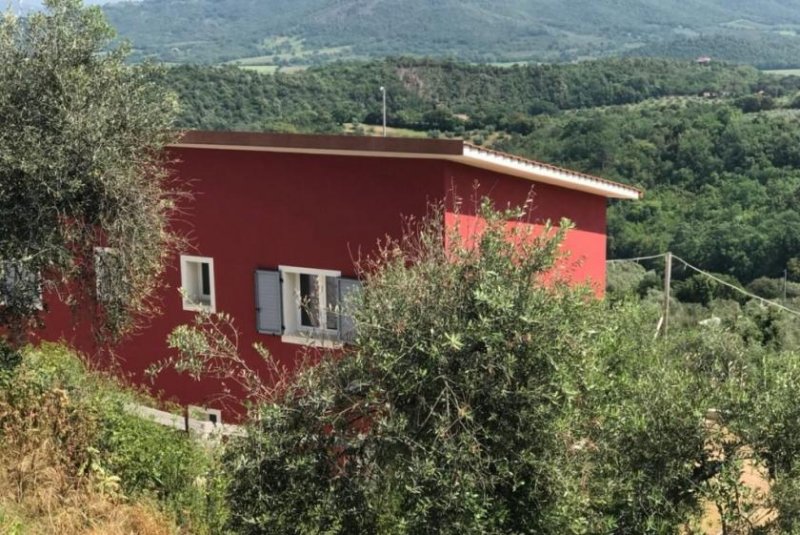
[(716, 147), (765, 49), (276, 32), (432, 94), (25, 6)]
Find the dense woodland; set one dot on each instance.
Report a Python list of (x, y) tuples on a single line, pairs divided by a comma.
[(438, 94), (716, 147), (764, 49), (723, 186)]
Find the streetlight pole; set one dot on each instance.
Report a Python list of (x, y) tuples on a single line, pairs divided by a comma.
[(383, 92)]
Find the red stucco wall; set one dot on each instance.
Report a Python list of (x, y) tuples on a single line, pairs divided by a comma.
[(254, 210), (584, 248)]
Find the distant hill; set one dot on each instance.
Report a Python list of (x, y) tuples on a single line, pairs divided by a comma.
[(25, 6), (313, 31)]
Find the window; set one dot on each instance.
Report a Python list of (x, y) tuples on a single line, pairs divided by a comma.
[(197, 283), (19, 286), (104, 271), (310, 297), (305, 306)]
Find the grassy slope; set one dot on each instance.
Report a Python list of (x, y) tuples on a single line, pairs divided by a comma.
[(73, 461)]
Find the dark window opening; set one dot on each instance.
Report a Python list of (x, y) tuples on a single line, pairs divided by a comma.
[(206, 278)]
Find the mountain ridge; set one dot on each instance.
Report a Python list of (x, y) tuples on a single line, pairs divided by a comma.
[(316, 31)]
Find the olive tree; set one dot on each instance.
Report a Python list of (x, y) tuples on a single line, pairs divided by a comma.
[(85, 197), (482, 395)]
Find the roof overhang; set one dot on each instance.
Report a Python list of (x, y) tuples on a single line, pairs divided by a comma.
[(386, 147), (547, 174)]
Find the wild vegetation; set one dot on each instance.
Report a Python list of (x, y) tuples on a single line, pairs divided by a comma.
[(81, 168), (722, 185), (75, 461), (433, 94), (768, 50), (481, 395)]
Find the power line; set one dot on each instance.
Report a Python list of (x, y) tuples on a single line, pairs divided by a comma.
[(637, 259), (712, 277), (733, 286)]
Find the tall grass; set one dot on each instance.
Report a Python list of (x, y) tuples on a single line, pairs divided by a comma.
[(72, 460)]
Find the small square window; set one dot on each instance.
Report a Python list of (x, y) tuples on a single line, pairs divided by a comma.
[(197, 283)]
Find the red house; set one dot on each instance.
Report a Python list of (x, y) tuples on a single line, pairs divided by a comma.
[(276, 218)]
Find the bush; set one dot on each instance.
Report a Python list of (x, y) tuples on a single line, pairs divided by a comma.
[(773, 288), (699, 288), (155, 461), (769, 424), (75, 423), (482, 396), (10, 358), (623, 279)]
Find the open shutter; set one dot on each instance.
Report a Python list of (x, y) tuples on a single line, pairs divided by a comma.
[(269, 302), (348, 297), (6, 281)]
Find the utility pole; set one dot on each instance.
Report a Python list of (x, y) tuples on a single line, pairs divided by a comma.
[(667, 289), (785, 280), (383, 92)]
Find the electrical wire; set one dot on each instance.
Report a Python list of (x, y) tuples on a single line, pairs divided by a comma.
[(712, 277), (637, 259), (733, 286)]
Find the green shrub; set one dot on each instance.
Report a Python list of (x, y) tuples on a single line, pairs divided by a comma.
[(623, 279), (96, 438), (164, 463), (10, 359), (481, 396), (773, 288)]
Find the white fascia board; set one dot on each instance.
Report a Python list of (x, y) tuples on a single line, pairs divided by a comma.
[(539, 173)]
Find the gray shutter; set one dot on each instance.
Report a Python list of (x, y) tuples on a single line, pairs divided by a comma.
[(6, 282), (269, 302), (348, 298)]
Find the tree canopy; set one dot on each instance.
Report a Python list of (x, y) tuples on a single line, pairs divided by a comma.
[(84, 197)]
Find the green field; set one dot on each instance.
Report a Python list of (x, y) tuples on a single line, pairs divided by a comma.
[(784, 72), (289, 50), (272, 69)]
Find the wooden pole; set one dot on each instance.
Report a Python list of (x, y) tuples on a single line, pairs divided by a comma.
[(785, 281), (667, 289)]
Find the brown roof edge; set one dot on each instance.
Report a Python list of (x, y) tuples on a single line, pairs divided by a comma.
[(323, 142)]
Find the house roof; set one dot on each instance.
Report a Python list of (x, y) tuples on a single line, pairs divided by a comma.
[(388, 147)]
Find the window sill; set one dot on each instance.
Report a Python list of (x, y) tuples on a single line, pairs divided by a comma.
[(194, 307), (311, 341)]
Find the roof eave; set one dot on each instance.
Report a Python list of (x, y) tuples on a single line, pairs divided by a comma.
[(504, 163), (379, 147)]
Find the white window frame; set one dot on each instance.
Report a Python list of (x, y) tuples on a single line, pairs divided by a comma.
[(188, 280), (100, 253), (294, 332)]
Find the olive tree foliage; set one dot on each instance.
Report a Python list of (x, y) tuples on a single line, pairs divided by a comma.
[(82, 166), (482, 395)]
